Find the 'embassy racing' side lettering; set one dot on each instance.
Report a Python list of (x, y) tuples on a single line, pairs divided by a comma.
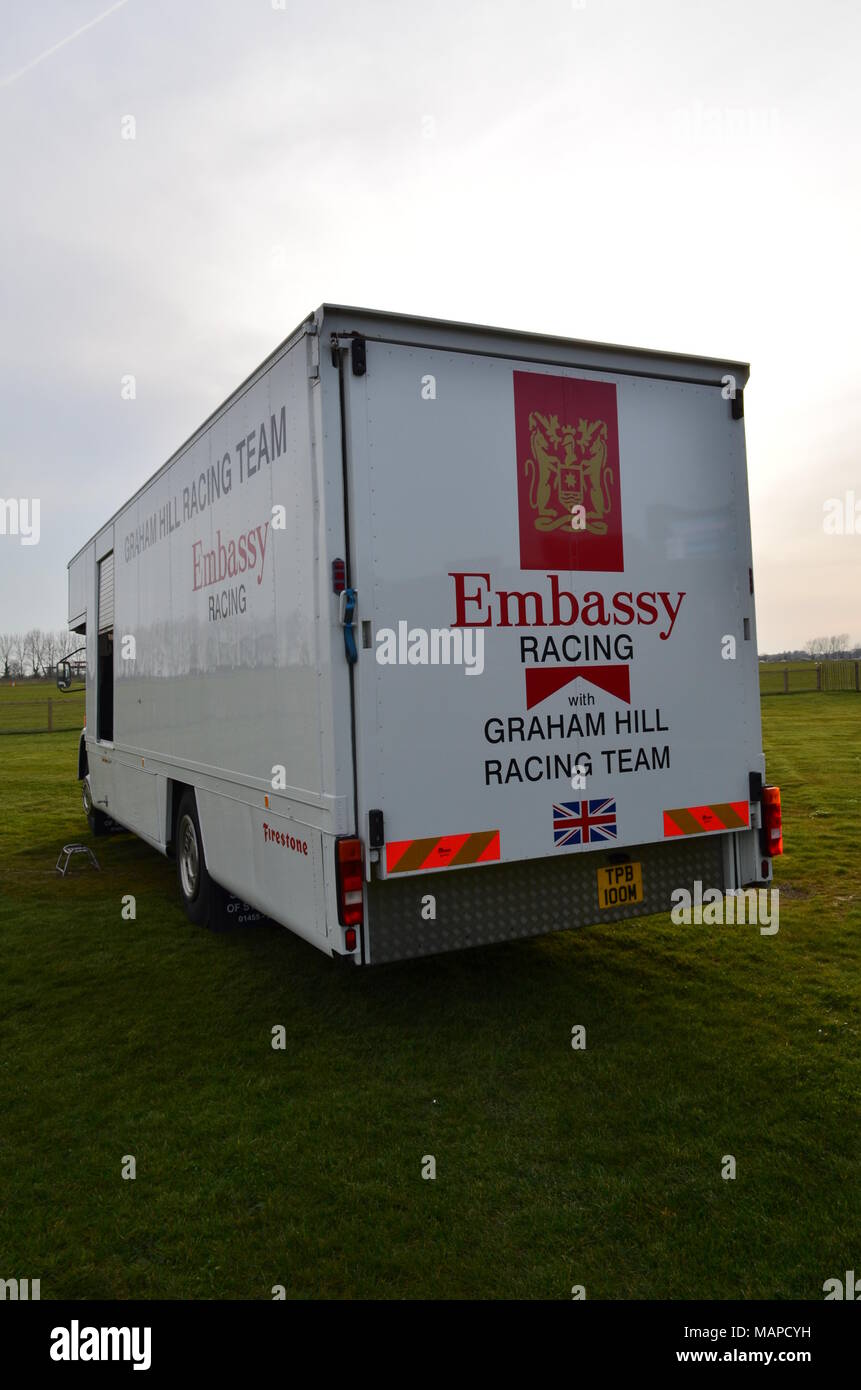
[(564, 608), (227, 561)]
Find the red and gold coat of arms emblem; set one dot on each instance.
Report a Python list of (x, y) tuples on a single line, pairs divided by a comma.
[(568, 473)]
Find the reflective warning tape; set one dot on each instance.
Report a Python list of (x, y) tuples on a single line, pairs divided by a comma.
[(699, 820), (442, 852)]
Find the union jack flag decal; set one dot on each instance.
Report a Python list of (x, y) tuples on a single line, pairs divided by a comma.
[(584, 822)]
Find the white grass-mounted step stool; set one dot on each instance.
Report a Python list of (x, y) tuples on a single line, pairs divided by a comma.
[(68, 851)]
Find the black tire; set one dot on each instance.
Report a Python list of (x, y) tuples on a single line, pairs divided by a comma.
[(201, 896), (98, 822)]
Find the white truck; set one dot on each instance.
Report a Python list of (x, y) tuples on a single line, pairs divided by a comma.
[(435, 635)]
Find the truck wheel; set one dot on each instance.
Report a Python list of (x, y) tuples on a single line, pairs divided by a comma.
[(96, 819), (199, 894)]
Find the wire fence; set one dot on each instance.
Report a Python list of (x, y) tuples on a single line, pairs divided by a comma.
[(794, 677), (58, 713), (51, 716)]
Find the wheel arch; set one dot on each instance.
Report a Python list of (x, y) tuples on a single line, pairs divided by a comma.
[(83, 761), (175, 792)]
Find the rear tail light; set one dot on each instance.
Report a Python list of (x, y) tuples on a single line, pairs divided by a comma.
[(348, 863), (772, 822)]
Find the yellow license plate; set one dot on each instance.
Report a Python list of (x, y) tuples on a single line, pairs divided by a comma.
[(620, 884)]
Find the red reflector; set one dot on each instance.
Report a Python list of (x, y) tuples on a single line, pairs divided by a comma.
[(339, 576), (348, 863), (772, 821), (350, 938)]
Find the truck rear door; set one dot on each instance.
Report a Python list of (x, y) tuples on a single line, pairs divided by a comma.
[(555, 621)]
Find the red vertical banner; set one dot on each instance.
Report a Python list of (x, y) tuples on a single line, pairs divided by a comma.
[(568, 487)]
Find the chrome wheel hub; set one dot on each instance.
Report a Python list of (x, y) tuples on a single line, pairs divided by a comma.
[(189, 858)]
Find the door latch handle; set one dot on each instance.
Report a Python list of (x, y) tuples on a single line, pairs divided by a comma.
[(347, 618)]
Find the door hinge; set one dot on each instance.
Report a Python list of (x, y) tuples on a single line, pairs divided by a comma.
[(376, 832), (313, 356), (358, 357), (358, 352)]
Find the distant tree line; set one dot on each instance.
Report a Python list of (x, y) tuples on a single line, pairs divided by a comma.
[(34, 653), (37, 653), (834, 648)]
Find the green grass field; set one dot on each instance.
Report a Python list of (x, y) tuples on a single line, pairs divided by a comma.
[(554, 1167)]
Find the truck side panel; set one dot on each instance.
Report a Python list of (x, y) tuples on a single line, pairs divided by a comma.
[(224, 678)]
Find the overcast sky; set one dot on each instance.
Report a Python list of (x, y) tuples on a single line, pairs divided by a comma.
[(668, 174)]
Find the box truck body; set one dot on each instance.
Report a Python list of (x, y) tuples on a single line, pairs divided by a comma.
[(446, 635)]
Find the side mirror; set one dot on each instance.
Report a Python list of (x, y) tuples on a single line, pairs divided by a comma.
[(70, 669)]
